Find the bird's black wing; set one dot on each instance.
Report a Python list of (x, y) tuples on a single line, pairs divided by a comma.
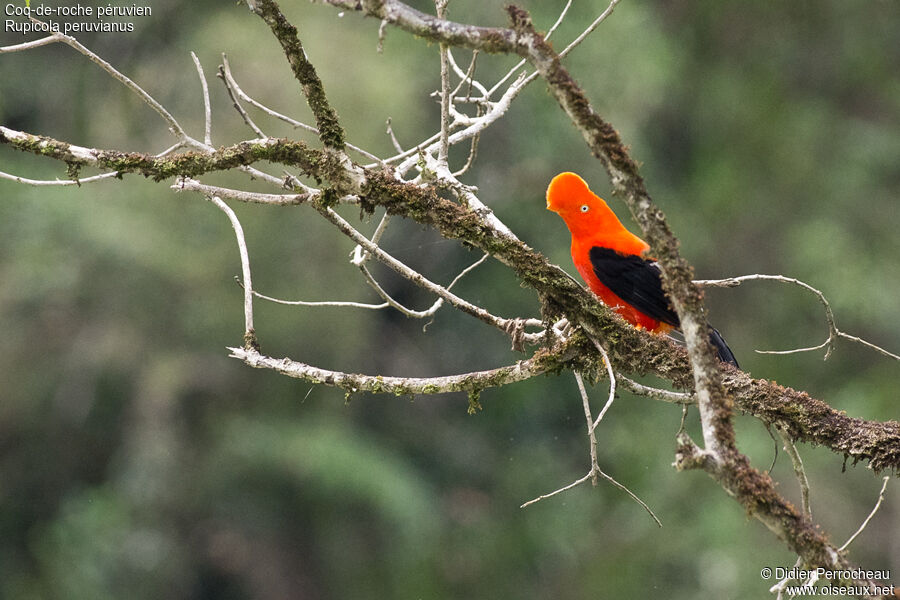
[(635, 280), (638, 282)]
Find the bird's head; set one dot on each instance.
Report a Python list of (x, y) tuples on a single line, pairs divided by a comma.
[(585, 213)]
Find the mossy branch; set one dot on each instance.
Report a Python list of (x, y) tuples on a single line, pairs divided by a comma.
[(292, 153), (330, 131), (631, 351)]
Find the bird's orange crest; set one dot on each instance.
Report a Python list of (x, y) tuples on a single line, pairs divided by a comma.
[(588, 217), (564, 190)]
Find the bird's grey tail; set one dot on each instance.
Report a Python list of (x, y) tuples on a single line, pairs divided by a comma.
[(724, 352)]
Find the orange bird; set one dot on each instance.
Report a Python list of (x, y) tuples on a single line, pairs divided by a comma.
[(611, 260)]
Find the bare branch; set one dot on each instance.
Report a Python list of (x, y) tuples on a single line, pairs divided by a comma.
[(394, 141), (595, 466), (382, 28), (799, 471), (869, 518), (521, 63), (250, 342), (400, 386), (190, 164), (429, 146), (466, 77), (233, 87), (207, 112), (560, 490), (359, 256), (192, 185), (590, 29), (329, 303), (233, 92), (656, 393), (411, 274), (174, 127), (415, 314), (572, 45), (591, 426), (469, 269), (56, 182), (633, 497), (429, 312), (612, 383), (50, 39), (833, 332), (402, 154), (473, 152)]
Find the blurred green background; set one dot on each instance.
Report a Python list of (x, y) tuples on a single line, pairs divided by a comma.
[(137, 460)]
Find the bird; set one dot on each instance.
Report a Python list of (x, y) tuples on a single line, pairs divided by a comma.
[(614, 262)]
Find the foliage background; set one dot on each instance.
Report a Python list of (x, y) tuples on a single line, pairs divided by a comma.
[(137, 459)]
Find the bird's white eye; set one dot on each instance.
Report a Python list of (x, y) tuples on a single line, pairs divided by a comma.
[(585, 208)]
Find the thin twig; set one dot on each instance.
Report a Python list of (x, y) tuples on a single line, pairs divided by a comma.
[(493, 113), (799, 471), (778, 588), (656, 393), (361, 257), (226, 78), (207, 111), (578, 482), (174, 126), (633, 497), (559, 20), (468, 270), (869, 518), (595, 465), (232, 83), (612, 382), (413, 275), (323, 303), (235, 90), (249, 332), (50, 39), (407, 153), (590, 29), (394, 141), (572, 45), (473, 152), (354, 382), (465, 77), (833, 332), (560, 490), (57, 182), (188, 184), (592, 437), (416, 314), (382, 28)]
